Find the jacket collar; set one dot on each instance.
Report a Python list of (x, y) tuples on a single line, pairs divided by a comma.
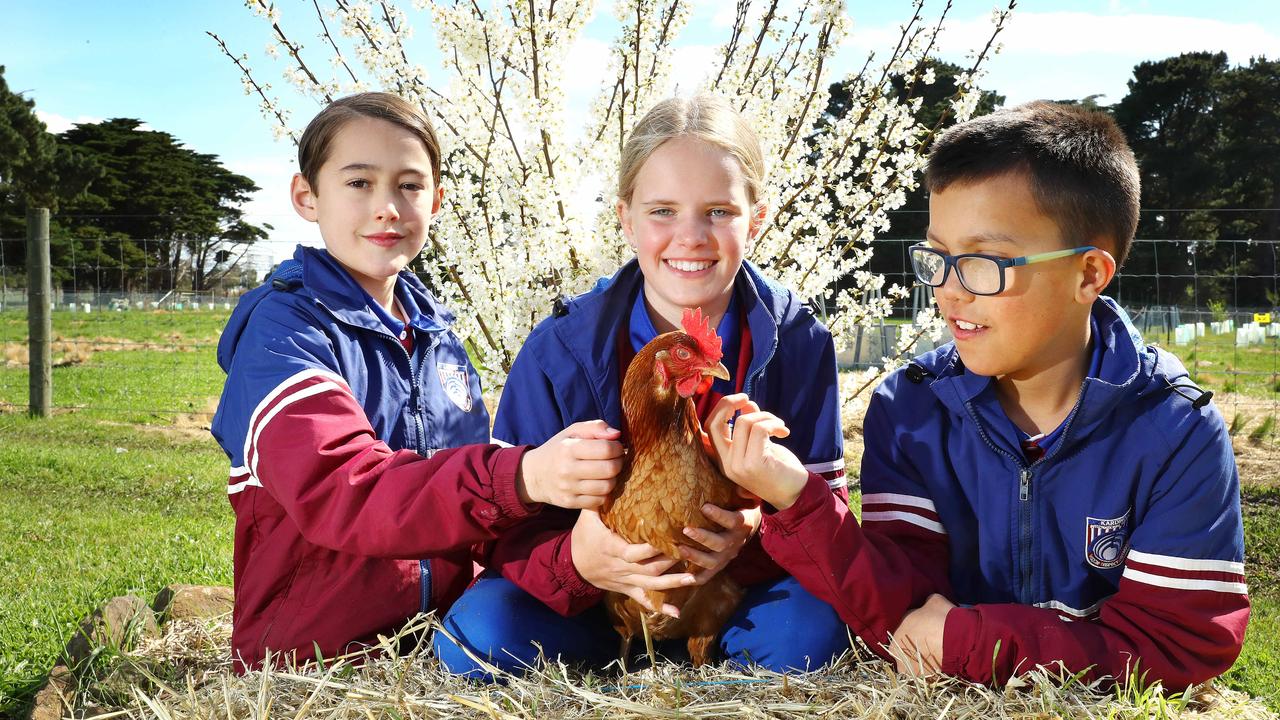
[(590, 324), (330, 284), (1126, 371)]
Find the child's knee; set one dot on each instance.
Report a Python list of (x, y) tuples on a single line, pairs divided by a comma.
[(784, 628)]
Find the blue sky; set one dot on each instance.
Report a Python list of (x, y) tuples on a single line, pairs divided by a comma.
[(148, 59)]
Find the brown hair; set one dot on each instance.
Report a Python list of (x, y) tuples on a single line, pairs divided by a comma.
[(706, 117), (313, 148), (1082, 172)]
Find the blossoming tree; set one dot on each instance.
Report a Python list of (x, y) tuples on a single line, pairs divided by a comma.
[(529, 205)]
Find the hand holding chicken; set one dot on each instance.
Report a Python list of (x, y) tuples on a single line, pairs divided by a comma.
[(748, 455)]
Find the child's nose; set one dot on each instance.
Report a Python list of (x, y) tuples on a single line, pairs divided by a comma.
[(693, 231), (387, 212), (952, 290)]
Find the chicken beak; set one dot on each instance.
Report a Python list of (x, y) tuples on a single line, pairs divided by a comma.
[(718, 371)]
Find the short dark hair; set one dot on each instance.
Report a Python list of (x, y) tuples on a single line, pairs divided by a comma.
[(313, 148), (1082, 172)]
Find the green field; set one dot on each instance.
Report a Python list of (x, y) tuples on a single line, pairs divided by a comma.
[(123, 491)]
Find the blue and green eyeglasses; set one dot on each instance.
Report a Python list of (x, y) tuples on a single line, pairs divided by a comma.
[(979, 274)]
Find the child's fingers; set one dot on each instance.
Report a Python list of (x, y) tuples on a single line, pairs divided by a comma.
[(595, 470), (698, 557), (715, 542), (593, 488), (596, 449), (761, 433), (666, 581), (592, 430), (727, 519), (638, 552)]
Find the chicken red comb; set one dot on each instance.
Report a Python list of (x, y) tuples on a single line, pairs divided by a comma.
[(699, 328)]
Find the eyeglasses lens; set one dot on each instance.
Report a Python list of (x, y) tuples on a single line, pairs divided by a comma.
[(980, 275)]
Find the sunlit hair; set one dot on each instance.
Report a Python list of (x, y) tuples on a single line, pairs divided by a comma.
[(317, 140), (706, 117), (1080, 168)]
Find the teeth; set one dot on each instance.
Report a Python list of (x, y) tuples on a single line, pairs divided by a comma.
[(691, 265), (965, 325)]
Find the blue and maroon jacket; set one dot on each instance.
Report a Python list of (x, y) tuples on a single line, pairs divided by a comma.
[(352, 512), (569, 371), (1120, 550)]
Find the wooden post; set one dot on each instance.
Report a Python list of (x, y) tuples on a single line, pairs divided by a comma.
[(39, 324)]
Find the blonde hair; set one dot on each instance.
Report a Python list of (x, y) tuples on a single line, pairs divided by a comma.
[(706, 117), (317, 139)]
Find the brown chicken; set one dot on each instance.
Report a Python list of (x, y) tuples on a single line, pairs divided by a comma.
[(668, 477)]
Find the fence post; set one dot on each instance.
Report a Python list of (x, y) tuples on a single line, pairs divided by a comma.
[(39, 325)]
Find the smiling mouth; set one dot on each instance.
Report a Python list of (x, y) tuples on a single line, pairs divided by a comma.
[(690, 265), (966, 325)]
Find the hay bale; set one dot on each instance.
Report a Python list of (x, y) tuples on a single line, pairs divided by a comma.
[(382, 682)]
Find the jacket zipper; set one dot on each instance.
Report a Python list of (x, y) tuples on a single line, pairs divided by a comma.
[(1025, 475), (424, 565)]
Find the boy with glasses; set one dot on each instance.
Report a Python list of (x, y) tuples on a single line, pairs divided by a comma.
[(1046, 490)]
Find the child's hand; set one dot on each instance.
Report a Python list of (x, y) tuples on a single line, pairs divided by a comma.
[(748, 455), (574, 469), (917, 643), (738, 526), (606, 560)]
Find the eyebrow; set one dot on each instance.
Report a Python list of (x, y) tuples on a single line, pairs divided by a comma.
[(663, 201), (357, 167), (980, 238)]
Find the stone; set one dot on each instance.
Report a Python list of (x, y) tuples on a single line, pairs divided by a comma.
[(193, 602), (118, 623), (52, 701)]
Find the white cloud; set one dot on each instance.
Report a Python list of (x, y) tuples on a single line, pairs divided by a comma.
[(1060, 55), (59, 124), (1068, 34)]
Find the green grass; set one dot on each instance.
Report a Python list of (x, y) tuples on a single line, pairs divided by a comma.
[(89, 510), (1215, 363), (135, 325)]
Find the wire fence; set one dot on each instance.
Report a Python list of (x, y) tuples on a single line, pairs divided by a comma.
[(135, 325)]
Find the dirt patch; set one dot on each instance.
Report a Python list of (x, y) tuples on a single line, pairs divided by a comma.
[(70, 351)]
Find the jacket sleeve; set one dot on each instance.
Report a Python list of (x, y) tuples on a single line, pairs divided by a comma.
[(537, 555), (290, 419), (872, 573), (808, 400), (1180, 611)]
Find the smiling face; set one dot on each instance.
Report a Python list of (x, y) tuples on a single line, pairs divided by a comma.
[(374, 200), (689, 219), (1041, 319)]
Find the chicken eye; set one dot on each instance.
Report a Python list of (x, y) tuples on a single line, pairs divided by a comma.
[(682, 354)]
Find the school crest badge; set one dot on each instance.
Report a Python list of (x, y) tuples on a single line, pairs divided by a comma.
[(1106, 541), (456, 384)]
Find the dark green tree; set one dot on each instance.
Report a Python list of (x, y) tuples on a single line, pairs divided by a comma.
[(1205, 135), (35, 170), (162, 215)]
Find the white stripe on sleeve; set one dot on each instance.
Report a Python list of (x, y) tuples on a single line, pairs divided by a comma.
[(914, 519), (896, 499), (1178, 583), (1181, 563), (822, 467)]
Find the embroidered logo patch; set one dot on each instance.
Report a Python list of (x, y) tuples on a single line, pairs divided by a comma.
[(1106, 542), (454, 380)]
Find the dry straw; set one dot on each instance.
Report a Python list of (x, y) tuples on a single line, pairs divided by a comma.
[(186, 673)]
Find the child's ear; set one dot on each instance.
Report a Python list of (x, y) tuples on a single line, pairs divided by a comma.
[(303, 197), (758, 214), (437, 203), (624, 218), (1099, 268)]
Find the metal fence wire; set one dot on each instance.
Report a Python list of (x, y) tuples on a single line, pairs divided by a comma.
[(129, 318)]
